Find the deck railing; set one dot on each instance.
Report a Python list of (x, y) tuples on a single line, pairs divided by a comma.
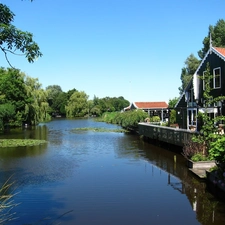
[(170, 135)]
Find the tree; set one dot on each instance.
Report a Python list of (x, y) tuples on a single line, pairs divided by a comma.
[(108, 104), (59, 104), (191, 64), (77, 105), (12, 87), (53, 92), (36, 108), (217, 33), (25, 95), (13, 39), (173, 102), (130, 119), (7, 112)]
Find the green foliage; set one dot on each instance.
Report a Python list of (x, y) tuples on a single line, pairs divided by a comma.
[(173, 102), (96, 107), (24, 98), (77, 105), (95, 110), (218, 37), (173, 116), (12, 87), (128, 120), (191, 64), (155, 119), (217, 149), (198, 157), (7, 111), (204, 137), (209, 138), (53, 92), (36, 107), (20, 142), (31, 102), (12, 39), (108, 104), (109, 117), (57, 99), (98, 129)]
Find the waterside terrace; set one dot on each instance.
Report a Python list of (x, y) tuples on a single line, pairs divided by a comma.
[(169, 135)]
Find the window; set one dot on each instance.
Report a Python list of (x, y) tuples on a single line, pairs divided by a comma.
[(217, 77), (217, 104)]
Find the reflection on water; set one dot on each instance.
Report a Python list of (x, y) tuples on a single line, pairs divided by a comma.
[(103, 178)]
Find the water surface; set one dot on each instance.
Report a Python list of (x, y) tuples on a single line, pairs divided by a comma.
[(103, 178)]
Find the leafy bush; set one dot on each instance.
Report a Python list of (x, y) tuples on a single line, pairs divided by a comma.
[(127, 120), (217, 149), (155, 119), (199, 157)]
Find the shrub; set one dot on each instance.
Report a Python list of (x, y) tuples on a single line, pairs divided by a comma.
[(217, 149), (155, 119), (199, 157), (191, 148)]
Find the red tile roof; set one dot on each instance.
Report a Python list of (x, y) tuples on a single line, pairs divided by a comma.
[(220, 50), (151, 105)]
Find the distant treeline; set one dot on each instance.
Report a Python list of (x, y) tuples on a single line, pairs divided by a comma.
[(24, 101)]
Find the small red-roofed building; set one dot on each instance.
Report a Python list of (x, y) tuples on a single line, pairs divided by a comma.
[(152, 108)]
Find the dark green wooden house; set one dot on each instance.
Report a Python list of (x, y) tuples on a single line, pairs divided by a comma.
[(192, 101)]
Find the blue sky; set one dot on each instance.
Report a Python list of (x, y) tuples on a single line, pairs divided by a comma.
[(130, 48)]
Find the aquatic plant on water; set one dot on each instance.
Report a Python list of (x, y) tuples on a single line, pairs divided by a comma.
[(98, 129), (20, 142)]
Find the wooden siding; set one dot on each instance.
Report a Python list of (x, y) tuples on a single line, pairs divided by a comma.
[(214, 62), (181, 113)]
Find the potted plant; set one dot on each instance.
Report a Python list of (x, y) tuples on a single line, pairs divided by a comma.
[(197, 155)]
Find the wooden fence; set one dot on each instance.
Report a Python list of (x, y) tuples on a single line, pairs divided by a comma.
[(170, 135)]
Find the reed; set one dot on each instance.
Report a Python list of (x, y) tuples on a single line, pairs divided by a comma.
[(7, 203)]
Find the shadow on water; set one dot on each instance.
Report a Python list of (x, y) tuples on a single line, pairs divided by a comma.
[(104, 178), (209, 209)]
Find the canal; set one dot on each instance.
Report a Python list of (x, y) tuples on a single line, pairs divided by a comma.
[(102, 178)]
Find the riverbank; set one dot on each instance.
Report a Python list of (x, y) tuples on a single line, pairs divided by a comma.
[(104, 178)]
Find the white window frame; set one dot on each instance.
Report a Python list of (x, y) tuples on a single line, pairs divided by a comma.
[(216, 76), (217, 104)]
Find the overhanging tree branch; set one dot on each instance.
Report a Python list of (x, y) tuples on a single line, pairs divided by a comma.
[(15, 39), (4, 51)]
